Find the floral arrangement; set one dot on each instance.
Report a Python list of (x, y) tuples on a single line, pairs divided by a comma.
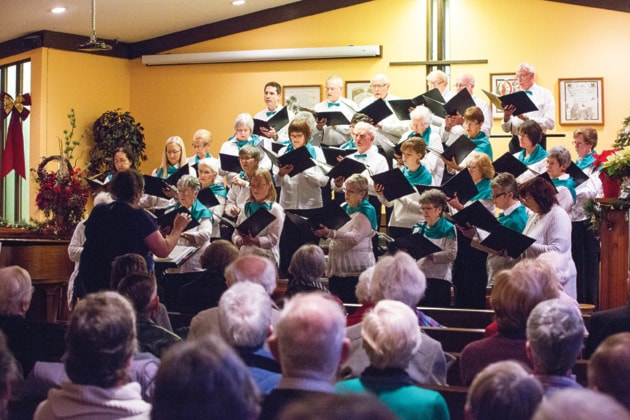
[(63, 192), (616, 163)]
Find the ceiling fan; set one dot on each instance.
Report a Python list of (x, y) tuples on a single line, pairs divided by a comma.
[(94, 45)]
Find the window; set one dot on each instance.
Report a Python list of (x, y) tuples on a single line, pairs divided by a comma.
[(15, 79)]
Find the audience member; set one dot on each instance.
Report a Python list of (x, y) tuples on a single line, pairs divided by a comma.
[(364, 297), (9, 374), (28, 340), (141, 290), (398, 278), (245, 324), (555, 334), (253, 268), (308, 266), (205, 291), (515, 293), (201, 379), (503, 390), (580, 404), (309, 343), (101, 340), (609, 368), (391, 338)]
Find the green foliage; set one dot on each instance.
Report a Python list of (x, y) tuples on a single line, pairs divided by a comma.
[(623, 137), (112, 130)]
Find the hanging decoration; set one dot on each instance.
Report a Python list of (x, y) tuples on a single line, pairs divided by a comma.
[(13, 153)]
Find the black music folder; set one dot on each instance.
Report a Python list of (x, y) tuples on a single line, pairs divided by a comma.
[(255, 223), (476, 215), (394, 183), (277, 121), (300, 159), (333, 117), (460, 148), (416, 245), (508, 163), (461, 184), (503, 238), (436, 107), (434, 94), (346, 167), (230, 163), (377, 111), (166, 220), (207, 198), (401, 106), (521, 101), (577, 174), (330, 215), (276, 147), (331, 153), (546, 177), (459, 103)]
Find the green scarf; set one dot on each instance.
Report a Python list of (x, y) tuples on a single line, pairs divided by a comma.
[(252, 207), (420, 177), (484, 190), (441, 229), (536, 156), (366, 208)]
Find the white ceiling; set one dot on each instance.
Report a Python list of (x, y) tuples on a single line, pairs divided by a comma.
[(123, 20)]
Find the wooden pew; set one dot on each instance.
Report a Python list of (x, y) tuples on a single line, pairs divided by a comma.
[(461, 318), (455, 397), (454, 339)]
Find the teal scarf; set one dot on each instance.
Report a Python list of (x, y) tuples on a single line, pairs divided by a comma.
[(253, 140), (208, 155), (515, 220), (483, 144), (426, 136), (441, 229), (585, 162), (308, 146), (349, 144), (569, 183), (169, 171), (484, 190), (199, 211), (366, 208), (536, 156), (218, 189), (243, 176), (252, 207), (420, 177)]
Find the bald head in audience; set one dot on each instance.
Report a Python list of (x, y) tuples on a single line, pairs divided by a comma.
[(252, 268), (15, 291), (580, 404)]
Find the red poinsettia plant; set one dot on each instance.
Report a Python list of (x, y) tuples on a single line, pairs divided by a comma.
[(63, 191)]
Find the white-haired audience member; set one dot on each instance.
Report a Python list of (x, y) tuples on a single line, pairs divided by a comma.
[(609, 368), (309, 342), (204, 378), (555, 335), (503, 390), (398, 278), (245, 324), (580, 404), (364, 296), (101, 341), (308, 266), (251, 268), (391, 338)]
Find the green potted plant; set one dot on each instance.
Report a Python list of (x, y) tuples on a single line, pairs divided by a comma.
[(112, 130)]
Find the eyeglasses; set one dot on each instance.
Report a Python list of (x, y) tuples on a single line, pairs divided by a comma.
[(495, 196), (353, 191), (378, 86), (461, 85), (245, 158), (173, 152), (427, 208), (576, 143)]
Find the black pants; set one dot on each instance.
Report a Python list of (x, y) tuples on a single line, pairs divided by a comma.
[(343, 288), (438, 293), (470, 276), (585, 251)]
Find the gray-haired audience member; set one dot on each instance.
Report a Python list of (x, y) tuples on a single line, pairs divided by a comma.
[(245, 324), (555, 334), (609, 368), (391, 338), (202, 379), (101, 340), (580, 404), (398, 278), (251, 268), (309, 342), (363, 293), (503, 390), (308, 265), (28, 340), (8, 374)]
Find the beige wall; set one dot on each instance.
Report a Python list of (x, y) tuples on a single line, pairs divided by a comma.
[(561, 41)]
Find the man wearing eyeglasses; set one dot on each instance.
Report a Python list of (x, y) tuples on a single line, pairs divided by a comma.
[(334, 135)]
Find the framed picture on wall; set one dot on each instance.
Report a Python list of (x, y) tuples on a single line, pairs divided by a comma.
[(305, 96), (358, 90), (581, 100), (502, 84)]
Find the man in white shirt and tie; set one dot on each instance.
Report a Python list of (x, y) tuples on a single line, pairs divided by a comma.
[(272, 97), (334, 135), (391, 128)]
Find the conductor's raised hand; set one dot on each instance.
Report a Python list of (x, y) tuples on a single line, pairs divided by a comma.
[(181, 221)]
